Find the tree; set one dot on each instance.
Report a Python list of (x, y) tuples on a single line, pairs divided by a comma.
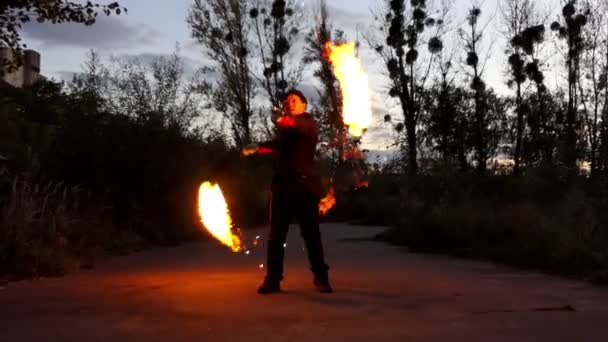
[(33, 115), (276, 26), (154, 91), (544, 109), (91, 88), (519, 17), (14, 13), (472, 39), (447, 124), (220, 26), (592, 87), (332, 129), (603, 157), (404, 31), (570, 30)]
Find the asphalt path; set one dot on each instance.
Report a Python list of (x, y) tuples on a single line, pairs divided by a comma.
[(203, 292)]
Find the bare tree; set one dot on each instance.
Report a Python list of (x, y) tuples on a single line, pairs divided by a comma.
[(276, 26), (472, 38), (570, 30), (221, 27), (404, 30), (604, 84), (518, 16), (592, 86)]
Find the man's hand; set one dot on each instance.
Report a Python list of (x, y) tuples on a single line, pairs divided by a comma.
[(250, 149), (276, 114)]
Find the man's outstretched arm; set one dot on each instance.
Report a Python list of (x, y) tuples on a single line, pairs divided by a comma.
[(266, 147)]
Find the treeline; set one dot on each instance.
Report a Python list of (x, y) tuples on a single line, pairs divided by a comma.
[(452, 115)]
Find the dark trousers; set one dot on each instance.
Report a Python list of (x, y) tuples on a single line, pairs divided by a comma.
[(289, 203)]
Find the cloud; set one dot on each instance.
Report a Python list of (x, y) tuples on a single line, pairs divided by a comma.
[(191, 66), (350, 22), (107, 32), (63, 75)]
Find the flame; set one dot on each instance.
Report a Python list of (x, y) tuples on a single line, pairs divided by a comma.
[(327, 202), (215, 215), (356, 100)]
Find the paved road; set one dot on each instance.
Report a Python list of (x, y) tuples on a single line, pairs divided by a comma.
[(202, 292)]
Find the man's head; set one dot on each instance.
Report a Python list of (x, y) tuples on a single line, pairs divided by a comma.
[(294, 103)]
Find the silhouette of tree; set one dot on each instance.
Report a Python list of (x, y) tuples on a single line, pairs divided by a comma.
[(472, 38), (404, 30), (220, 26), (447, 125), (592, 87), (570, 30), (519, 16), (276, 25)]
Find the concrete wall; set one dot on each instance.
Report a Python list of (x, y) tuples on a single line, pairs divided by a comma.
[(27, 74)]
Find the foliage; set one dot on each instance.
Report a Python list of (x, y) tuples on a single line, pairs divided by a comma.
[(14, 13)]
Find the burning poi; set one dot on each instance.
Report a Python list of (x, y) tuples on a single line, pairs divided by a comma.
[(215, 215), (356, 100)]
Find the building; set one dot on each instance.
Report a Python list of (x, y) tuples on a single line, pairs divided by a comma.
[(25, 75)]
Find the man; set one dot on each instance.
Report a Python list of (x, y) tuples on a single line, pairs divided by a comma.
[(296, 191)]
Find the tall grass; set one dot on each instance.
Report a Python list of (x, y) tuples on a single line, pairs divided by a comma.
[(540, 221), (42, 229)]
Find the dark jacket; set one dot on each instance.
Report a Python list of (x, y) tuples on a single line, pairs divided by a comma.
[(294, 152)]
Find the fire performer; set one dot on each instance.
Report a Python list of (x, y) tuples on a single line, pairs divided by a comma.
[(296, 191)]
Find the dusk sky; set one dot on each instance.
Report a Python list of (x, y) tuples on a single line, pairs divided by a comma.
[(153, 27)]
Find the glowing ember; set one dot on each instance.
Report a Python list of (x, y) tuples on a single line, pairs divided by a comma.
[(356, 100), (327, 202), (363, 184), (215, 215)]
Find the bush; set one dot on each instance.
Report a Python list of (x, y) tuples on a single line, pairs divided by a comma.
[(533, 221)]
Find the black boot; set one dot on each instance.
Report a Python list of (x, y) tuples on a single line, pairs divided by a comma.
[(269, 286), (322, 284)]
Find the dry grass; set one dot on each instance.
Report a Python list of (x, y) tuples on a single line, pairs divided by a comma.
[(41, 228)]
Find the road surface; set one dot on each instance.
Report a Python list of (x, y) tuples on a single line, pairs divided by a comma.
[(203, 292)]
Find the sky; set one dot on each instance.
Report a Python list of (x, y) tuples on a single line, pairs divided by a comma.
[(154, 27)]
